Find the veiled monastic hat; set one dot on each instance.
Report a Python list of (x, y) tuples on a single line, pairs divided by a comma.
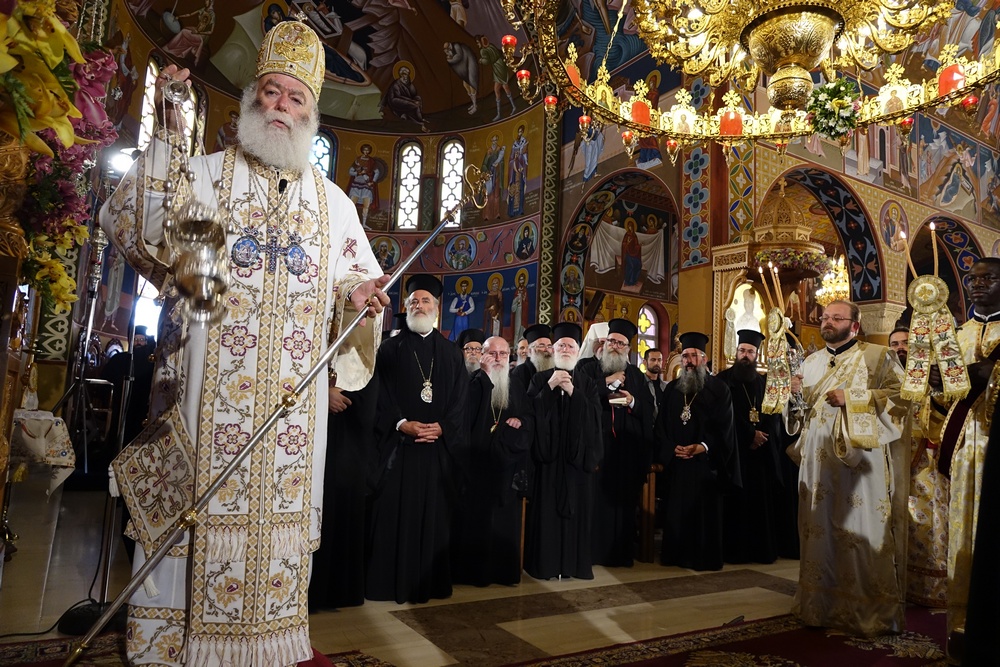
[(567, 330), (694, 339), (622, 326), (426, 282), (536, 331), (750, 337)]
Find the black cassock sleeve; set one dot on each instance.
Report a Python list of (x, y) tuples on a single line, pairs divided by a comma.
[(571, 424)]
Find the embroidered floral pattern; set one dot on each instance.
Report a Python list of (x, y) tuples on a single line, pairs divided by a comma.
[(231, 438), (238, 339), (291, 486), (160, 479), (169, 645), (240, 388), (310, 273), (281, 586), (293, 440), (238, 305), (228, 591), (297, 345)]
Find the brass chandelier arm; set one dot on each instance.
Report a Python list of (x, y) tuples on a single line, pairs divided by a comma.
[(475, 195)]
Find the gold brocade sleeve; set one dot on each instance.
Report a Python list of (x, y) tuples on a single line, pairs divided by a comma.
[(353, 366)]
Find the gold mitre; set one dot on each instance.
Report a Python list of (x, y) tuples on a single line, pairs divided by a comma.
[(292, 48)]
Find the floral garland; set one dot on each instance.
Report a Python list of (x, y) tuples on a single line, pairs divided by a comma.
[(833, 109), (802, 260), (55, 212)]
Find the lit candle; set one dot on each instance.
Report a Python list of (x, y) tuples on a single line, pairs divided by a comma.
[(550, 102), (584, 123), (509, 40), (779, 296), (627, 137), (767, 290), (934, 246)]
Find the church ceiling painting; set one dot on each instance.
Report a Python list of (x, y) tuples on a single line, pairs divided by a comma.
[(854, 227), (381, 67)]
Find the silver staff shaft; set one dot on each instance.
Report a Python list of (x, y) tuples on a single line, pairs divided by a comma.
[(190, 516)]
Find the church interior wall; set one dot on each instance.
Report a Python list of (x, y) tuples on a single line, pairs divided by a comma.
[(495, 244)]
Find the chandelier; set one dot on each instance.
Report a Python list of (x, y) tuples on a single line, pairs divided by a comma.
[(733, 42), (835, 285)]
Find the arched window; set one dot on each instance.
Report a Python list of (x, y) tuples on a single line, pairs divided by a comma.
[(648, 336), (409, 166), (190, 111), (323, 153), (451, 170)]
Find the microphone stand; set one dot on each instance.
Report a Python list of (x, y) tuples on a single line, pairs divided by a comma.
[(189, 518)]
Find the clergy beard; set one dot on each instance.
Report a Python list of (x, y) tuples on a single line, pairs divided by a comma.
[(417, 323), (500, 377), (745, 371), (542, 361), (282, 149), (691, 381), (566, 361), (613, 361), (471, 366)]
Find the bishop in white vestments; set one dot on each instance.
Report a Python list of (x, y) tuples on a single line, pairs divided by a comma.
[(234, 590), (853, 482)]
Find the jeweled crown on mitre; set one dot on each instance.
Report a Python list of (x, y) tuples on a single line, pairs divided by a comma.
[(292, 48)]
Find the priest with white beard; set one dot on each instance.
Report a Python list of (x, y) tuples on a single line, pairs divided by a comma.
[(539, 337), (697, 447), (486, 538), (566, 449), (627, 428), (234, 590), (420, 433)]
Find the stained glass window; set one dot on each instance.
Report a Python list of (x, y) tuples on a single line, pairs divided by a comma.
[(323, 153), (452, 167), (410, 163), (648, 336)]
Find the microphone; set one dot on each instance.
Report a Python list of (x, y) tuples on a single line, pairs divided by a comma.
[(282, 184)]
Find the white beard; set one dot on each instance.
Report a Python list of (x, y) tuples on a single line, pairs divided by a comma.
[(283, 149), (500, 377), (471, 366), (420, 324), (613, 361), (692, 381), (566, 361), (541, 361)]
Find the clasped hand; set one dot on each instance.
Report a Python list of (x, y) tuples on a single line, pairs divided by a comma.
[(561, 380), (421, 432), (689, 451)]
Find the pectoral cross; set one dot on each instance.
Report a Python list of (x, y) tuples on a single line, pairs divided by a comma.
[(273, 249)]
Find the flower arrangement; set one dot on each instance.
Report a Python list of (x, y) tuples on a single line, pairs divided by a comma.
[(800, 260), (833, 109), (49, 101), (55, 213)]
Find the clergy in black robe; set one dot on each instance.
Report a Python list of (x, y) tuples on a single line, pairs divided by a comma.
[(486, 536), (566, 448), (470, 342), (698, 452), (419, 432), (752, 513), (338, 566), (539, 337), (627, 430)]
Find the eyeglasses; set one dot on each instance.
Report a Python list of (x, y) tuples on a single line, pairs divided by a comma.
[(474, 350), (497, 354), (611, 342), (835, 318), (540, 346)]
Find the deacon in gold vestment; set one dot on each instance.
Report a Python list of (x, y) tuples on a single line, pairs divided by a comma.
[(233, 591), (966, 430), (853, 482)]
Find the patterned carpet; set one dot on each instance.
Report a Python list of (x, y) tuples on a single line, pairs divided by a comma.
[(108, 651), (774, 642)]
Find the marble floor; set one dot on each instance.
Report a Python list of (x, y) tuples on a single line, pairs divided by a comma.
[(59, 547)]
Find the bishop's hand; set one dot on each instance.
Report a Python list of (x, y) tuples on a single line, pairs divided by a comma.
[(368, 296), (173, 119)]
